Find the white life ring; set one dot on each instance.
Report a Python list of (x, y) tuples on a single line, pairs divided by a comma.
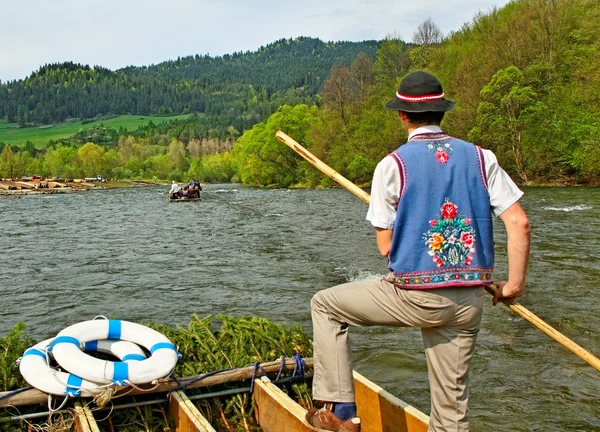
[(35, 367), (160, 364), (123, 350)]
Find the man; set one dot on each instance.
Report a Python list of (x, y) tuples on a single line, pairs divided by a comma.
[(174, 193), (431, 204)]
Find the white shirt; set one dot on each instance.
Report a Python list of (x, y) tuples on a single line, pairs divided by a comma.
[(386, 186), (174, 188)]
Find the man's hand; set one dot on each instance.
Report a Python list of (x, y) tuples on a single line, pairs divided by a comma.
[(505, 289)]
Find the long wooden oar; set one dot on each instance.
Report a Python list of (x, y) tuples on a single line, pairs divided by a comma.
[(513, 305)]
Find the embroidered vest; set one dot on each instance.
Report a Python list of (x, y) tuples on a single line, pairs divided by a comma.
[(443, 231)]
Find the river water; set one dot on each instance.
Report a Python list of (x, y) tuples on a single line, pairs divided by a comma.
[(130, 254)]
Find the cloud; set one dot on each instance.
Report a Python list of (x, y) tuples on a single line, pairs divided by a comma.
[(119, 33)]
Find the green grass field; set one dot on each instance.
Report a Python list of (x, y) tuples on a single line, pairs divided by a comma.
[(11, 134)]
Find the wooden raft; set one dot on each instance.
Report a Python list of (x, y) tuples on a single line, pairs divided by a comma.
[(275, 410), (184, 413)]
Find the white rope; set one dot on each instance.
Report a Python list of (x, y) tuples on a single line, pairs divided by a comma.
[(155, 383), (64, 402)]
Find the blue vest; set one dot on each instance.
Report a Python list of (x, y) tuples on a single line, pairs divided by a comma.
[(443, 231)]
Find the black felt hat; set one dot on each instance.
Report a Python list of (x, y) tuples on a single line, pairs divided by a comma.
[(420, 92)]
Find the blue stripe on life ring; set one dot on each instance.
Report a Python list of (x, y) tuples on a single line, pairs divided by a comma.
[(114, 329), (133, 357), (63, 339), (162, 345), (33, 351), (91, 346), (120, 373), (73, 385)]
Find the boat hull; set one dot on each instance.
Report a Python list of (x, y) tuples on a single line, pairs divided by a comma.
[(378, 410)]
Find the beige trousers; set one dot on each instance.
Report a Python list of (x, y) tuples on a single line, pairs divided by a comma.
[(449, 319)]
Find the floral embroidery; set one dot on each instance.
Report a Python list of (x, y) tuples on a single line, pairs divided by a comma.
[(441, 150), (451, 239), (462, 277)]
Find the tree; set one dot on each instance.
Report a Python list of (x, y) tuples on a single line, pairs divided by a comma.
[(392, 61), (217, 168), (23, 114), (428, 33), (360, 170), (177, 155), (362, 72), (508, 114), (340, 91), (61, 162), (261, 159), (92, 159), (29, 148), (160, 167), (194, 148), (8, 166)]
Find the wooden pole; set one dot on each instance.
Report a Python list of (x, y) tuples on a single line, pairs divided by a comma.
[(35, 396), (513, 305), (548, 329), (323, 167)]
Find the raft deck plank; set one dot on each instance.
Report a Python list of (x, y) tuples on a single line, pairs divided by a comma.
[(84, 419), (381, 411), (275, 409), (184, 199), (378, 410), (186, 416)]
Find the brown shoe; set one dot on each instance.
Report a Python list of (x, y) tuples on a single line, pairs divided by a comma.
[(326, 420)]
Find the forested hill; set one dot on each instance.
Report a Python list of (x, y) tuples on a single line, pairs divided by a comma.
[(241, 88), (287, 63)]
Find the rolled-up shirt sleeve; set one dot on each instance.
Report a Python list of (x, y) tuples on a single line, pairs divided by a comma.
[(385, 189), (502, 189)]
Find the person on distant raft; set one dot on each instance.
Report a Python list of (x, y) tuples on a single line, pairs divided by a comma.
[(174, 192), (432, 202), (195, 188), (185, 192)]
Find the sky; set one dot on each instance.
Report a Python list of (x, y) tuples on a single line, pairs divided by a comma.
[(120, 33)]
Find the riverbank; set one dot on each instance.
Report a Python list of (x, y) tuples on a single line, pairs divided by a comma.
[(19, 188)]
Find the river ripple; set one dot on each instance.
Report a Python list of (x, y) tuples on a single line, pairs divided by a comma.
[(132, 255)]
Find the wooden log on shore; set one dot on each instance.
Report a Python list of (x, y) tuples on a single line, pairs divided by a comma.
[(53, 184), (25, 185), (7, 186), (35, 396)]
